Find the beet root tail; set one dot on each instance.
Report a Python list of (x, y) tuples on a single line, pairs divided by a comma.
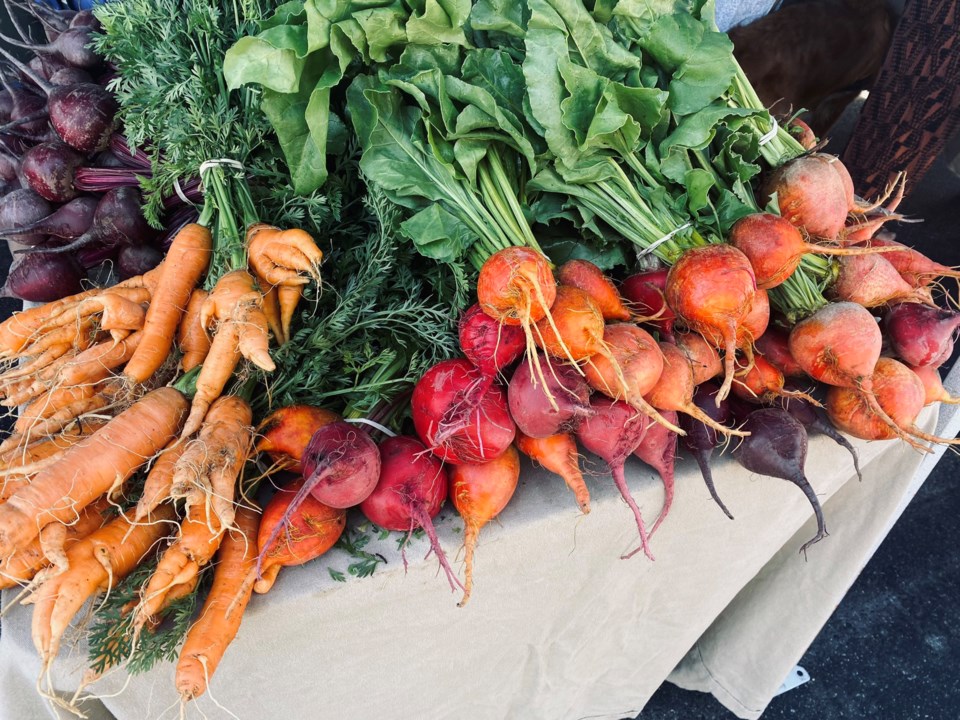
[(422, 519), (621, 484)]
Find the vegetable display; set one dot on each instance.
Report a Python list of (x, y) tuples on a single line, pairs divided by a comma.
[(402, 241)]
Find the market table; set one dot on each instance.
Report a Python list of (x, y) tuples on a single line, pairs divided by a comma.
[(558, 627)]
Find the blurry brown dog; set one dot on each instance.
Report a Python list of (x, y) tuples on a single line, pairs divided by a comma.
[(816, 55)]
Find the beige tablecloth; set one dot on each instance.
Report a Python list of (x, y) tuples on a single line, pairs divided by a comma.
[(559, 627)]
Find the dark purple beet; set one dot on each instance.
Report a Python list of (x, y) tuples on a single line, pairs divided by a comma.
[(70, 76), (136, 260), (83, 115), (613, 432), (777, 447), (813, 419), (85, 19), (19, 210), (43, 277), (8, 168), (919, 334), (71, 45), (530, 407), (68, 221), (117, 221), (25, 104), (701, 439), (658, 449), (48, 169), (95, 254)]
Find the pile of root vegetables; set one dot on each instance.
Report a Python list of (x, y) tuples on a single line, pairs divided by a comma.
[(138, 380), (632, 265), (68, 182)]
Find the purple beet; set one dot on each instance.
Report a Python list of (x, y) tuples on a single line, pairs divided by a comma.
[(43, 277), (613, 432), (136, 260), (777, 447), (95, 254), (701, 440), (72, 46), (83, 115), (48, 169), (18, 211), (25, 103), (658, 449), (807, 413), (68, 221), (70, 76), (117, 221), (530, 406), (341, 465), (85, 19), (919, 334)]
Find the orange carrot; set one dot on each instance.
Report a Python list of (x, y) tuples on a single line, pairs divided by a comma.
[(156, 487), (222, 612), (241, 329), (278, 256), (288, 297), (103, 397), (20, 329), (97, 362), (207, 471), (191, 336), (214, 375), (50, 547), (96, 563), (200, 536), (51, 402), (91, 467), (558, 454), (116, 310), (185, 263), (271, 308)]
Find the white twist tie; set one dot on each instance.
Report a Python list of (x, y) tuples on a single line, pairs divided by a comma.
[(220, 161), (204, 166), (772, 134), (666, 238), (364, 421)]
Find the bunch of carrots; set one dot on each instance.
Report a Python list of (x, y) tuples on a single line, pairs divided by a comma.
[(133, 379)]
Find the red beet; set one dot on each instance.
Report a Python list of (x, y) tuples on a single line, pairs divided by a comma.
[(531, 407), (341, 465), (488, 344), (460, 416), (919, 334), (411, 490), (613, 433)]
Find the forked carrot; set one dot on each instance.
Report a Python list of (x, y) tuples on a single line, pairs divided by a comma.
[(214, 374), (20, 329), (96, 563), (156, 487), (186, 262), (271, 309), (191, 335), (91, 467), (115, 310), (200, 537), (46, 556), (207, 472), (222, 612)]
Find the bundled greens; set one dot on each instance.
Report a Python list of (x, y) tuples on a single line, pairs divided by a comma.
[(619, 123)]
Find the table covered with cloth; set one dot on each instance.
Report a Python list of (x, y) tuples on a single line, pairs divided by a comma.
[(559, 627)]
